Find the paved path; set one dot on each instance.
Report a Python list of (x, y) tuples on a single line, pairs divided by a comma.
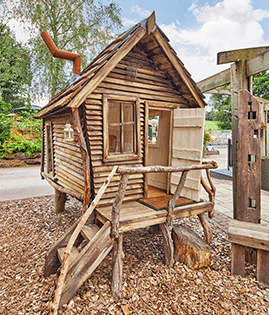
[(22, 182)]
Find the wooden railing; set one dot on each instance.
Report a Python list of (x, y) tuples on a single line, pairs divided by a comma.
[(125, 172)]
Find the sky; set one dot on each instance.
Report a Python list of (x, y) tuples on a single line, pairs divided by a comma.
[(199, 29)]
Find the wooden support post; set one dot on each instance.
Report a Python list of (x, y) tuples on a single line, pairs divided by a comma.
[(168, 244), (117, 256), (85, 157), (60, 199), (207, 228), (115, 217), (238, 259), (262, 265), (172, 202)]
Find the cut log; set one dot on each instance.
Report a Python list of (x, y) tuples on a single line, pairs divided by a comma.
[(190, 249)]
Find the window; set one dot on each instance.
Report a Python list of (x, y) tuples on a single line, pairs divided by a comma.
[(121, 128), (49, 149), (153, 129)]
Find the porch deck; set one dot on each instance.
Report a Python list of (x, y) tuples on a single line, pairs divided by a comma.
[(134, 215)]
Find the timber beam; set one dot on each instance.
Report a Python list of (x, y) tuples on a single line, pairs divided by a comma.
[(239, 54), (257, 64)]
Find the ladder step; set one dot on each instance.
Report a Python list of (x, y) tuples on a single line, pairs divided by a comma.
[(89, 231), (73, 256)]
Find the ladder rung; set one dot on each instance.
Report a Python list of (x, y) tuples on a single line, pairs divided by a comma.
[(89, 231), (73, 256)]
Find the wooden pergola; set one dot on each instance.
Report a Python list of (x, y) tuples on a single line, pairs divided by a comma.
[(245, 125)]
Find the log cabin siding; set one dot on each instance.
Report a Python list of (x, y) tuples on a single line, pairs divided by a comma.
[(68, 164), (136, 76)]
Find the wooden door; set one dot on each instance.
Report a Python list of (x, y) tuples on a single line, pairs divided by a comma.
[(187, 148), (158, 145)]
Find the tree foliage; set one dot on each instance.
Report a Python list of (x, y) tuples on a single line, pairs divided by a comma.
[(81, 26), (261, 85), (221, 109), (15, 74), (221, 104)]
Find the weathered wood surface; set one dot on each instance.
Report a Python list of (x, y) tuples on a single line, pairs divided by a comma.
[(125, 48), (159, 168), (85, 157), (207, 228), (168, 244), (234, 55), (215, 81), (187, 148), (190, 249), (175, 62), (134, 215), (90, 258), (263, 265), (248, 175), (65, 263), (63, 189), (249, 234), (52, 262), (238, 260), (246, 234), (117, 267), (177, 193), (115, 216), (60, 199)]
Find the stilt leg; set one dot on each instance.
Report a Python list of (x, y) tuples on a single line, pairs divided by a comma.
[(60, 199), (117, 255), (207, 228), (168, 244)]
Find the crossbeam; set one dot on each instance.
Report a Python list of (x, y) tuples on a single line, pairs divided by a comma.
[(239, 54), (254, 65)]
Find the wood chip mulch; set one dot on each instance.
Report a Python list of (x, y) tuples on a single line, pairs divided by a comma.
[(29, 227)]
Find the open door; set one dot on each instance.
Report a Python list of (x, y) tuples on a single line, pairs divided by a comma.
[(187, 148), (159, 142)]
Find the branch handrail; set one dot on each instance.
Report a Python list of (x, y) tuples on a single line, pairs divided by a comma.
[(166, 169)]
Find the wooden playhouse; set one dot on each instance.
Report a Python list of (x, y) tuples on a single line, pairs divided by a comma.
[(129, 129)]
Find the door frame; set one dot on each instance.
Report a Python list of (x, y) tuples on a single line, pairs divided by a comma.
[(156, 106)]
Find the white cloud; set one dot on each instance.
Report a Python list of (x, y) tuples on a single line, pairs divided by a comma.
[(128, 22), (143, 13), (230, 24)]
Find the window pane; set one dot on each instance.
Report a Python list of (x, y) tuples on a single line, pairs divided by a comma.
[(153, 129), (114, 139), (128, 112), (114, 112), (128, 138)]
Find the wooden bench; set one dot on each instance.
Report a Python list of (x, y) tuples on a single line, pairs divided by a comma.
[(245, 234)]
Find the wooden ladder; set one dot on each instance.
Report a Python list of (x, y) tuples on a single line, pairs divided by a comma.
[(92, 246)]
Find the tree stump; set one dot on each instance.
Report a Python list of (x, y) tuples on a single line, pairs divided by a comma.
[(190, 249), (60, 199)]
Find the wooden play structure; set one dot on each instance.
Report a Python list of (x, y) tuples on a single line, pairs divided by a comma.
[(247, 113), (97, 148)]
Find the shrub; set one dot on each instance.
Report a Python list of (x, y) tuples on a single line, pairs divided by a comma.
[(19, 143)]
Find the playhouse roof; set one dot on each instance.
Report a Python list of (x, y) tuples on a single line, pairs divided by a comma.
[(154, 42)]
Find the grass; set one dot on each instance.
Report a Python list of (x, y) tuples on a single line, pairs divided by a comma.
[(211, 125)]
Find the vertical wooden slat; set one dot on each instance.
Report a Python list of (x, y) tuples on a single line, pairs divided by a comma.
[(85, 157), (146, 148)]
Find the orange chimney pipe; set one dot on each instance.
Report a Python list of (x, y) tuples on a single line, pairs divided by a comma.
[(57, 53)]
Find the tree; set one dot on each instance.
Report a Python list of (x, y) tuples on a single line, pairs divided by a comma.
[(221, 109), (15, 74), (221, 104), (261, 85), (81, 26)]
